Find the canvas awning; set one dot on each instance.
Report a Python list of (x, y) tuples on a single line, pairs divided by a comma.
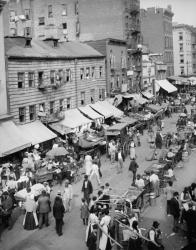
[(90, 113), (60, 128), (127, 119), (74, 119), (101, 109), (154, 108), (11, 139), (147, 95), (116, 129), (36, 132), (167, 86), (116, 112)]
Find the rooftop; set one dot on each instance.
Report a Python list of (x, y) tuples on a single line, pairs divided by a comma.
[(15, 48)]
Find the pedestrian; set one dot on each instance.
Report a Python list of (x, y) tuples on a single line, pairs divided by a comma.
[(92, 239), (7, 205), (139, 183), (44, 207), (84, 213), (88, 164), (155, 237), (87, 189), (67, 196), (190, 217), (135, 242), (138, 138), (95, 173), (169, 192), (112, 150), (133, 168), (58, 213), (30, 221), (158, 140), (104, 223), (175, 211), (132, 150), (154, 182), (120, 162)]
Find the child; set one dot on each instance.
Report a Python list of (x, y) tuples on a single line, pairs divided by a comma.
[(84, 212)]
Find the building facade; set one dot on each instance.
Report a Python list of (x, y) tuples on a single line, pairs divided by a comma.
[(3, 88), (47, 77), (184, 37), (158, 37), (82, 20), (115, 52), (160, 66), (148, 72)]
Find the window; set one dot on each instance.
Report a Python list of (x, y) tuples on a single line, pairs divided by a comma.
[(52, 77), (81, 74), (112, 82), (40, 77), (41, 21), (32, 112), (87, 73), (42, 107), (181, 47), (50, 11), (100, 71), (31, 79), (64, 8), (12, 15), (61, 104), (68, 103), (181, 58), (92, 95), (27, 14), (68, 75), (93, 72), (76, 8), (117, 81), (22, 111), (82, 98), (60, 76), (13, 32), (101, 94), (21, 80), (182, 70), (180, 36), (52, 107), (64, 26), (27, 31)]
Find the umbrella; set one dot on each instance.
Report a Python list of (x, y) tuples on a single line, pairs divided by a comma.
[(183, 115), (60, 151)]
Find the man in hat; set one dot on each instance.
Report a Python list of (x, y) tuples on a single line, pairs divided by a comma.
[(87, 188), (92, 239), (133, 168), (175, 210), (44, 207), (154, 236)]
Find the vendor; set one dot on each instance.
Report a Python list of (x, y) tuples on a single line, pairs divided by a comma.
[(170, 155)]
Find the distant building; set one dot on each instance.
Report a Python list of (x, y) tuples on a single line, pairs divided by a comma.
[(115, 52), (184, 37), (82, 20), (156, 30), (3, 89), (160, 66), (47, 77)]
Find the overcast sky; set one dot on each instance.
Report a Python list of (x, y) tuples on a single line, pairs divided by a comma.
[(184, 10)]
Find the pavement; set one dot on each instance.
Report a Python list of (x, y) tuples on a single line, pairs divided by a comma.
[(74, 231)]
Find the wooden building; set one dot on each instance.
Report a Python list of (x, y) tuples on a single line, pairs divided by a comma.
[(47, 77)]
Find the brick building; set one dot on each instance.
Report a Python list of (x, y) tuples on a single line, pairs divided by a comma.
[(184, 37), (50, 76), (82, 20), (156, 30), (115, 52)]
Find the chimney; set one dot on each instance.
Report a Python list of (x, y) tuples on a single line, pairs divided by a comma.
[(28, 42), (53, 42)]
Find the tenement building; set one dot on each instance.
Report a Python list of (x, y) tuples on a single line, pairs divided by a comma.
[(156, 30), (51, 76), (184, 37)]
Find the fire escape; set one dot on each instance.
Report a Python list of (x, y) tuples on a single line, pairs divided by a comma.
[(133, 44)]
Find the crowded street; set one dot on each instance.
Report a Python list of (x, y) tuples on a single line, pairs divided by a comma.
[(74, 230)]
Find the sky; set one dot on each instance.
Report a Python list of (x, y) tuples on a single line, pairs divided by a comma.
[(184, 10)]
